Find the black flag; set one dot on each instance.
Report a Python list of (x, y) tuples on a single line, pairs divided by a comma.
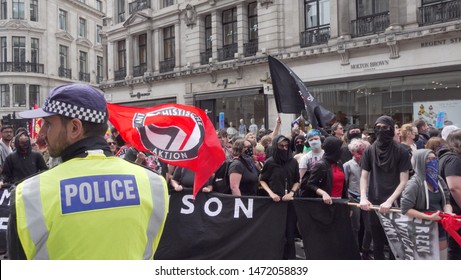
[(290, 91)]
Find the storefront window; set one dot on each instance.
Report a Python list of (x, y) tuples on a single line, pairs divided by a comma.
[(434, 97), (234, 108)]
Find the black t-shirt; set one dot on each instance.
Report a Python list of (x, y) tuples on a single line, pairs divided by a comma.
[(453, 168), (185, 177), (382, 183), (280, 178), (249, 182)]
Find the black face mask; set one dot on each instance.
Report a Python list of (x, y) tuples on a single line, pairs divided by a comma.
[(283, 154), (384, 135), (249, 151), (299, 148), (355, 135), (416, 138)]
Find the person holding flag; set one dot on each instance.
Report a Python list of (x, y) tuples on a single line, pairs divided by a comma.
[(88, 206)]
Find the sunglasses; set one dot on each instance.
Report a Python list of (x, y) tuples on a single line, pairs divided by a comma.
[(111, 143)]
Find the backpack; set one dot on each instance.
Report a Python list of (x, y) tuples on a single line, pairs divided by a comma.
[(221, 178)]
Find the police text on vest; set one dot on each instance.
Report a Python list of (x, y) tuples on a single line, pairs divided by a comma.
[(98, 192)]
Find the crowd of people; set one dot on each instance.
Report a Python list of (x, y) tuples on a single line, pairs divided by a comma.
[(383, 169), (415, 168)]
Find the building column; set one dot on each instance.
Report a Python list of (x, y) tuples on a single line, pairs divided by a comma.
[(111, 63), (150, 46), (156, 49), (394, 15), (129, 57), (105, 56), (216, 33), (177, 45), (344, 20), (242, 22)]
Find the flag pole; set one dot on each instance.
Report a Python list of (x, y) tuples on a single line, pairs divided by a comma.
[(374, 207)]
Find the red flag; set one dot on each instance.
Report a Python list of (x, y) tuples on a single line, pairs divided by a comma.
[(33, 131), (178, 134), (452, 224)]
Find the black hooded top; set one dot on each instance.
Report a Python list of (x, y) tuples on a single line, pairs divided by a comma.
[(23, 162), (280, 171), (385, 159)]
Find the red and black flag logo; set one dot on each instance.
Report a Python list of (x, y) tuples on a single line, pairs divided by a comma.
[(180, 135)]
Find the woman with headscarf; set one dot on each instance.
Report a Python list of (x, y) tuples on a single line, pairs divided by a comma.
[(385, 167), (426, 191), (280, 179), (327, 178)]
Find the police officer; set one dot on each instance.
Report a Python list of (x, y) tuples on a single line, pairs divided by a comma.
[(93, 205)]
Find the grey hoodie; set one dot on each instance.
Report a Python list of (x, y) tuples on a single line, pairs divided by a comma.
[(415, 195)]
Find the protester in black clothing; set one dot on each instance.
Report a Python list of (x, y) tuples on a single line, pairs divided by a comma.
[(385, 165), (450, 170), (327, 179), (243, 175), (183, 178), (352, 132), (147, 159), (280, 179), (423, 133), (23, 162)]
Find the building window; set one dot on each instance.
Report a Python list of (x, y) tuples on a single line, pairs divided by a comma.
[(251, 47), (208, 33), (19, 51), (83, 74), (34, 10), (5, 98), (18, 9), (229, 23), (34, 54), (62, 19), (4, 50), (99, 69), (120, 74), (98, 33), (121, 54), (168, 62), (167, 3), (316, 23), (372, 17), (19, 95), (64, 70), (121, 10), (168, 42), (143, 49), (82, 27), (229, 28), (437, 11), (99, 5), (371, 7), (208, 53), (3, 9), (34, 95)]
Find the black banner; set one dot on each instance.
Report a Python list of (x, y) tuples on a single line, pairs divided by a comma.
[(326, 230), (409, 238), (223, 227), (4, 214)]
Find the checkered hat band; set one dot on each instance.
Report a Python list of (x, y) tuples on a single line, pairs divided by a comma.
[(73, 111)]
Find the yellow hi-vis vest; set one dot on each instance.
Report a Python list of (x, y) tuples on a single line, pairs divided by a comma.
[(90, 208)]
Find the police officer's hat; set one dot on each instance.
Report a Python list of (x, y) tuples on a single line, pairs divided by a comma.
[(79, 101)]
